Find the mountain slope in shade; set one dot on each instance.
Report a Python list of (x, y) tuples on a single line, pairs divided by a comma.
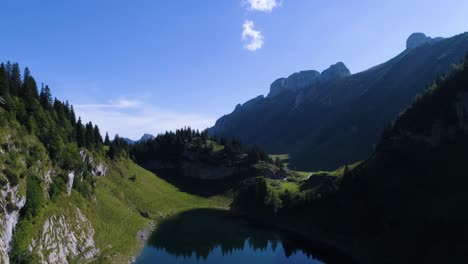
[(414, 185), (332, 118)]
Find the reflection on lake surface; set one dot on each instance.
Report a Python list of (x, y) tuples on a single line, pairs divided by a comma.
[(212, 236)]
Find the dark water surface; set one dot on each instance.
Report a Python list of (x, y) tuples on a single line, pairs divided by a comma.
[(207, 236)]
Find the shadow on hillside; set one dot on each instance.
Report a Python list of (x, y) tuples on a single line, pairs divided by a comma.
[(204, 188)]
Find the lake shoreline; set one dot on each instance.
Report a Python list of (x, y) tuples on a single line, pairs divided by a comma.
[(143, 236)]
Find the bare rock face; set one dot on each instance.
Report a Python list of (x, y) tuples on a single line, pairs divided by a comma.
[(65, 237), (99, 169), (417, 39), (296, 81), (11, 203), (308, 79), (338, 70)]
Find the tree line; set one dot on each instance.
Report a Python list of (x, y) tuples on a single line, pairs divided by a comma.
[(172, 145)]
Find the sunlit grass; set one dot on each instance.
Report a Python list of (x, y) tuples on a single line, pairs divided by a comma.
[(119, 200)]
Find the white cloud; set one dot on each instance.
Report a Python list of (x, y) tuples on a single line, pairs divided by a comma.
[(132, 118), (262, 5), (119, 103), (253, 39)]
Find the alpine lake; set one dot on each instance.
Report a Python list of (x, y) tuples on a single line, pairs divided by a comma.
[(209, 236)]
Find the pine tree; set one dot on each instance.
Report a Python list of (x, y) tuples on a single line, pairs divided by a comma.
[(29, 89), (46, 97), (72, 115), (80, 134), (107, 140), (4, 86), (15, 79), (89, 136), (97, 136)]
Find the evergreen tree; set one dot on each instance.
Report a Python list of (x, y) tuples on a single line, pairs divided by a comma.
[(15, 79), (4, 86), (80, 134), (204, 135), (107, 140), (89, 136), (46, 97), (29, 90), (97, 136), (72, 116)]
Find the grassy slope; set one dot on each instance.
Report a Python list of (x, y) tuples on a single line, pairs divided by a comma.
[(115, 214)]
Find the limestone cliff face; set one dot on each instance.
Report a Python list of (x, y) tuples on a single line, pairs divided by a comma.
[(65, 236), (11, 202), (417, 39), (308, 79)]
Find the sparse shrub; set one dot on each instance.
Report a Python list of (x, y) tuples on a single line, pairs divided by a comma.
[(34, 197), (57, 187), (11, 176), (132, 178), (3, 181)]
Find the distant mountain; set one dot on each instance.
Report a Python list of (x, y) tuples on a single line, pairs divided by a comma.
[(145, 137), (332, 118)]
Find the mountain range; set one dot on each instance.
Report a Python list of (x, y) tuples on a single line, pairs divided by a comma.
[(143, 138), (324, 120)]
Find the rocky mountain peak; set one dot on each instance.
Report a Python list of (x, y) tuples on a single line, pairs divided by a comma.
[(307, 79), (417, 39), (146, 137), (338, 70), (295, 81)]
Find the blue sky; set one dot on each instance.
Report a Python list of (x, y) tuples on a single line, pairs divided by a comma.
[(150, 66)]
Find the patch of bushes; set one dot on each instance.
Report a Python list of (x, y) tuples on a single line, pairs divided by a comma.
[(34, 198), (11, 176), (57, 187)]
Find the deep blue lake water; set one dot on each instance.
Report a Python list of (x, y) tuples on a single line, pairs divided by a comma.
[(209, 236)]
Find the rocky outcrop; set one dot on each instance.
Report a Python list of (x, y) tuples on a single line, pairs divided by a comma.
[(11, 203), (308, 79), (296, 81), (65, 237), (338, 70), (97, 169), (417, 39), (71, 179)]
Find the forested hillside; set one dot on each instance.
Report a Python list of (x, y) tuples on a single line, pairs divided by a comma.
[(67, 195), (190, 153)]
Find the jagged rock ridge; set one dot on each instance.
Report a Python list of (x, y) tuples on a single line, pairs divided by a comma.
[(308, 79)]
